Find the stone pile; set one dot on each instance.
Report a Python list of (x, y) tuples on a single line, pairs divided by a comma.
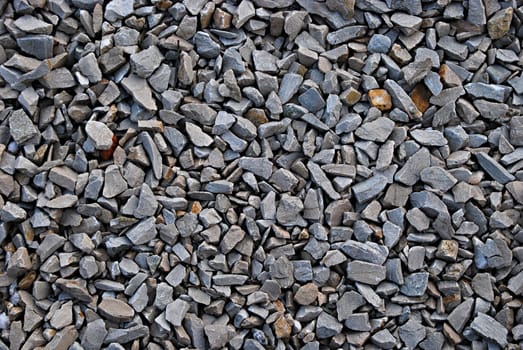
[(261, 174)]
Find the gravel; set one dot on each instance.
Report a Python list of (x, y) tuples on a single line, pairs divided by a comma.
[(261, 174)]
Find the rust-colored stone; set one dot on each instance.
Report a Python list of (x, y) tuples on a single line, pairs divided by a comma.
[(108, 153), (196, 207), (256, 116), (380, 99), (282, 328), (27, 281), (420, 96)]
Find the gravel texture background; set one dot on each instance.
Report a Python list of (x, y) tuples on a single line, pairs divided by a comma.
[(261, 174)]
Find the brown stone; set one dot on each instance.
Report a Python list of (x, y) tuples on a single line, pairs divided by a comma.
[(282, 328), (27, 281), (350, 96), (499, 24), (206, 14), (380, 99), (420, 96), (196, 207), (256, 116), (222, 19), (306, 294)]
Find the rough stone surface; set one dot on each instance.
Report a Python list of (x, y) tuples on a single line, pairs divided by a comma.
[(261, 174)]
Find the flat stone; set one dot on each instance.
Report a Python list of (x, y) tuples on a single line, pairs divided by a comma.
[(493, 168), (364, 272), (261, 167), (370, 188), (39, 46), (428, 137), (115, 310), (415, 284), (377, 130), (197, 136), (489, 328), (140, 90), (346, 34), (401, 100), (438, 178)]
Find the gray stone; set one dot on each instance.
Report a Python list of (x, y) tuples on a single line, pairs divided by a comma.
[(199, 112), (459, 317), (401, 99), (327, 326), (11, 212), (379, 43), (140, 90), (383, 339), (94, 335), (412, 333), (217, 335), (493, 168), (63, 339), (155, 158), (33, 25), (145, 62), (415, 284), (370, 188), (428, 137), (114, 183), (515, 284), (312, 100), (489, 328), (368, 251), (452, 48), (126, 335), (320, 179), (21, 127), (206, 46), (410, 172), (176, 311), (346, 34), (115, 310), (261, 167), (39, 46), (176, 276), (88, 65), (19, 263), (377, 130), (498, 93), (100, 134), (197, 136), (143, 232), (438, 178), (364, 272), (75, 288)]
